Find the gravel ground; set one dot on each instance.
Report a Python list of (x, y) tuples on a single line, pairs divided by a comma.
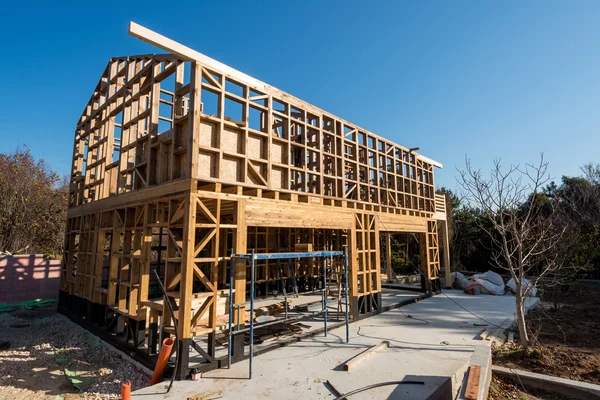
[(45, 346)]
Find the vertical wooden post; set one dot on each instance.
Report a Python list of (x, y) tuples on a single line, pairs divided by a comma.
[(424, 257), (368, 255), (376, 245), (146, 254), (214, 278), (446, 246), (113, 265), (187, 268), (194, 120), (151, 166), (388, 256), (98, 262), (70, 257), (177, 112), (239, 268), (353, 255)]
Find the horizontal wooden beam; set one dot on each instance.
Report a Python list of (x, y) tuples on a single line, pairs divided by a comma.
[(141, 195)]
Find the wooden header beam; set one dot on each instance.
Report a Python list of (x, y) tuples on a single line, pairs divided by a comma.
[(163, 42)]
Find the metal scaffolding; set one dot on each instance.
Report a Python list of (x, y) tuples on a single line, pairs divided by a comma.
[(251, 258)]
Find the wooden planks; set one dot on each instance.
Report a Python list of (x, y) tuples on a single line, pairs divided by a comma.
[(365, 355), (278, 213), (472, 389), (401, 223)]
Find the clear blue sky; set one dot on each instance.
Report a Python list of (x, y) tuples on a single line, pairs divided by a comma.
[(488, 79)]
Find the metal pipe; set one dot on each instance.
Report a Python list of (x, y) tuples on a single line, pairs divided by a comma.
[(251, 313), (170, 305), (230, 308), (286, 306), (325, 295), (275, 256), (346, 287)]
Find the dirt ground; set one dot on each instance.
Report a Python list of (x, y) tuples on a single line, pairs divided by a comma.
[(501, 389), (567, 328), (50, 357)]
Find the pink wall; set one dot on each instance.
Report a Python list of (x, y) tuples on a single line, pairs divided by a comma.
[(27, 277)]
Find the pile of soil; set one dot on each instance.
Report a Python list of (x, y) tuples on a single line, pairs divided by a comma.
[(566, 325), (51, 357)]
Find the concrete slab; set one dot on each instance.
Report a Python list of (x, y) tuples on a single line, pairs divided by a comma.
[(313, 323), (431, 341), (482, 357)]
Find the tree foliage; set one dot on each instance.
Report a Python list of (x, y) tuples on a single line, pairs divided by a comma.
[(405, 254), (517, 220), (574, 204), (522, 223), (33, 205)]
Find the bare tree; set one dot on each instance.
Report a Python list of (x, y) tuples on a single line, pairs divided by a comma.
[(520, 223), (33, 205), (591, 172)]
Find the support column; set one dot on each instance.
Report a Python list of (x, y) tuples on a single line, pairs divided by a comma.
[(353, 270), (239, 277), (376, 245), (186, 289), (388, 256), (424, 261), (446, 255)]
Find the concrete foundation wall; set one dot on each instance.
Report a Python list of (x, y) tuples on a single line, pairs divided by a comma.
[(27, 277)]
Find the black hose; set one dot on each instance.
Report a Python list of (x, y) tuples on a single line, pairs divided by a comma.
[(376, 385), (174, 326)]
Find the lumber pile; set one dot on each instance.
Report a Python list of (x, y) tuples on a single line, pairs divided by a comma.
[(272, 309), (498, 334), (272, 333), (267, 334)]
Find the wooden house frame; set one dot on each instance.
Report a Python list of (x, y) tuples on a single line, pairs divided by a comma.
[(179, 159)]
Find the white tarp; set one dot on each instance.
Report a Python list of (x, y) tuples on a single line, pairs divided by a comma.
[(527, 287), (490, 282), (459, 281)]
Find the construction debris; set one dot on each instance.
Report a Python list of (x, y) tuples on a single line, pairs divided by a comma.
[(272, 309), (273, 332), (497, 334)]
